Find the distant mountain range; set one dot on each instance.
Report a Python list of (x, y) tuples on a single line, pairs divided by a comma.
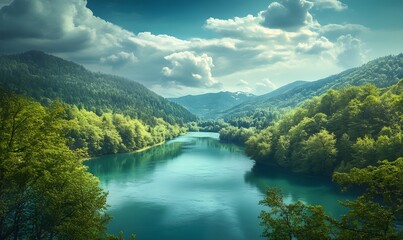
[(45, 77), (381, 72), (211, 105)]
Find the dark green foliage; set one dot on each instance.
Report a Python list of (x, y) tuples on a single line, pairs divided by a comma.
[(45, 77), (373, 215), (212, 125), (292, 221), (259, 119), (120, 236), (382, 72), (351, 127), (236, 135), (240, 129)]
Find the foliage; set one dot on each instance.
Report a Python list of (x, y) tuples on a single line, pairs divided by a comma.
[(45, 77), (351, 127), (113, 133), (292, 221), (120, 236), (212, 125), (373, 215), (236, 135), (259, 118), (45, 191)]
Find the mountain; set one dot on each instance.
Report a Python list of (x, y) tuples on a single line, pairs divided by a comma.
[(210, 105), (250, 103), (45, 77), (381, 72)]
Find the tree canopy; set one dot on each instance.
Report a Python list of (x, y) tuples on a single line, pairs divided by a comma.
[(342, 129), (45, 191), (375, 214)]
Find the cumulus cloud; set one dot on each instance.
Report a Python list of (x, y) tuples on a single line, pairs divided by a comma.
[(315, 47), (190, 70), (329, 4), (350, 51), (287, 14), (334, 31), (119, 59), (57, 26)]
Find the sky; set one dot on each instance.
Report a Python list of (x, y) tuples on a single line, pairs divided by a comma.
[(181, 47)]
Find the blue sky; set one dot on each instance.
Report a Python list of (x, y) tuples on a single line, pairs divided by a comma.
[(181, 47)]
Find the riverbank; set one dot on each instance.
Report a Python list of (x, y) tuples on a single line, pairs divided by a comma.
[(135, 151)]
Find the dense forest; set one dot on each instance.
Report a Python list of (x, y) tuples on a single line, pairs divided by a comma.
[(350, 127), (46, 78)]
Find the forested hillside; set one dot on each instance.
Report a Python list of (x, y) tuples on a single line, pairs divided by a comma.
[(381, 72), (45, 77), (342, 129)]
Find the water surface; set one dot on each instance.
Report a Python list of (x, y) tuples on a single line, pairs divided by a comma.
[(195, 187)]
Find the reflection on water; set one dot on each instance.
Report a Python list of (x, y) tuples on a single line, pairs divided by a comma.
[(134, 165), (296, 187), (197, 187)]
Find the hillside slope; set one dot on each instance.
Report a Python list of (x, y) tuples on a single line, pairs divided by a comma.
[(46, 77), (381, 72)]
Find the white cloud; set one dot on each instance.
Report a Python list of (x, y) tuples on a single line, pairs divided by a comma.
[(119, 59), (188, 69), (287, 14), (334, 31), (243, 83), (57, 26), (273, 43), (349, 51), (264, 86), (244, 86), (329, 4), (315, 47)]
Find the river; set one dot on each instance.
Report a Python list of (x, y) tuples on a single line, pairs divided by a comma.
[(195, 187)]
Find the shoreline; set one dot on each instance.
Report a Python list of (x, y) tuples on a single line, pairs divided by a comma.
[(135, 151)]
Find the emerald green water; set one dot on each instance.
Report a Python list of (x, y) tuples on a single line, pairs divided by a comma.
[(196, 187)]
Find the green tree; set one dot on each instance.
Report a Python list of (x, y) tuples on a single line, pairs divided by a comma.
[(45, 191), (320, 153), (292, 221), (373, 214)]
